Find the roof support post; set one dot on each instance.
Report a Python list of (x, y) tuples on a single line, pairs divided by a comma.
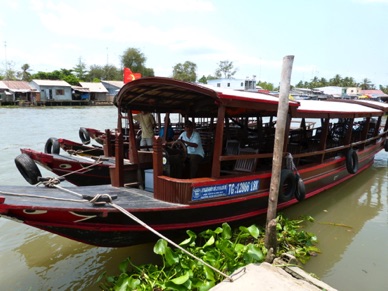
[(216, 166)]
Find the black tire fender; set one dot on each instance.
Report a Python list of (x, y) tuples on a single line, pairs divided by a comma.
[(386, 144), (52, 146), (84, 135), (351, 161), (300, 191), (287, 185), (28, 168)]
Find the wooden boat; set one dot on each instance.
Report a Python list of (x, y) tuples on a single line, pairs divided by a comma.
[(54, 145), (76, 169), (326, 143), (87, 133)]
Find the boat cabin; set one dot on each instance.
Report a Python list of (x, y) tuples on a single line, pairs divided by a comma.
[(237, 131)]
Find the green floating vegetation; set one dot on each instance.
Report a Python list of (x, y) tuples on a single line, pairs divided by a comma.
[(223, 248)]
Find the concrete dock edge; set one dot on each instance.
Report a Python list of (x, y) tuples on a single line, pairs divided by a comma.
[(280, 276)]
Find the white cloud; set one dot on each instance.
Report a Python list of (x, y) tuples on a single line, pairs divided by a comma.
[(372, 1)]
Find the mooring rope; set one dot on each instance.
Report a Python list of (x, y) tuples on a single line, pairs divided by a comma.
[(44, 197), (78, 152), (133, 217), (53, 180), (107, 199), (290, 163)]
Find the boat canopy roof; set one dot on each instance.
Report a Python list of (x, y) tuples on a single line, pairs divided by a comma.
[(332, 109), (168, 95), (370, 103)]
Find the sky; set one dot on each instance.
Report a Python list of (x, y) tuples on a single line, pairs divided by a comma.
[(326, 37)]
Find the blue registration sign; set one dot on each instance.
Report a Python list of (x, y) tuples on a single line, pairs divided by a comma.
[(230, 189)]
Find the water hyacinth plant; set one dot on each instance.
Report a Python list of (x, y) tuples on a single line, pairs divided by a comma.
[(224, 249)]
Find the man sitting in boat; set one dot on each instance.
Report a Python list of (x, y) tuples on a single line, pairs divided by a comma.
[(195, 152)]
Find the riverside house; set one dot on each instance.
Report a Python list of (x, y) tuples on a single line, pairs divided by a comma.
[(52, 90)]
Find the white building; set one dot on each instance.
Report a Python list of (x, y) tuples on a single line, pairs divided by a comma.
[(52, 89), (234, 84), (335, 91)]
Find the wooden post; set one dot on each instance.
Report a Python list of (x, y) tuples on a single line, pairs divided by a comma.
[(270, 236)]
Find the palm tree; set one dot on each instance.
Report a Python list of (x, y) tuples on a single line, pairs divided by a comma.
[(366, 84), (25, 75)]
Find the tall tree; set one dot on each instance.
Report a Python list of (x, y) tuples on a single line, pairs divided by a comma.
[(80, 70), (112, 73), (24, 74), (225, 69), (135, 60), (96, 73), (367, 84), (10, 73), (203, 80), (266, 85), (384, 89), (185, 72), (336, 81)]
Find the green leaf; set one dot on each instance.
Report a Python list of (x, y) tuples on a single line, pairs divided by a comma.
[(124, 285), (171, 257), (182, 279), (210, 242), (204, 285), (133, 283), (190, 240), (254, 231), (239, 248), (227, 231), (160, 247), (123, 266), (212, 257), (254, 253), (209, 273), (218, 230)]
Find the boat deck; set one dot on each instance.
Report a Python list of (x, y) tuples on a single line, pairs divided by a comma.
[(42, 197)]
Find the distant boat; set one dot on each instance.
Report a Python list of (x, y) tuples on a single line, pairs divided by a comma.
[(332, 143), (54, 145)]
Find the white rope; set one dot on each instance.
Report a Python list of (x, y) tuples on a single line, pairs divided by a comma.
[(130, 215), (290, 163), (44, 197), (84, 168), (95, 201)]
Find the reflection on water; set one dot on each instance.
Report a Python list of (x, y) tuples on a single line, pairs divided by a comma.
[(37, 260), (351, 219), (351, 224)]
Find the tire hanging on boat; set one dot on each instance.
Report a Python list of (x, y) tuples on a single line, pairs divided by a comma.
[(300, 191), (52, 146), (351, 161), (386, 145), (28, 168), (287, 185), (84, 135)]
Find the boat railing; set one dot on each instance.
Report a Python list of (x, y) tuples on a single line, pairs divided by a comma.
[(338, 150)]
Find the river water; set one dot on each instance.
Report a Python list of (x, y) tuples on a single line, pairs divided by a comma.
[(351, 221)]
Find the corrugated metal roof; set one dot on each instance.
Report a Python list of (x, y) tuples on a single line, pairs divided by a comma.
[(18, 86), (51, 83), (117, 84), (94, 87), (373, 93), (3, 86), (80, 89)]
